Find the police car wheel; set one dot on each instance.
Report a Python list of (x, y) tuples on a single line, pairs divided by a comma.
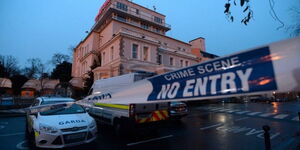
[(31, 139), (27, 133)]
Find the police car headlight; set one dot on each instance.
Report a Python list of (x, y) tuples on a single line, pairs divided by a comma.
[(47, 129), (92, 124)]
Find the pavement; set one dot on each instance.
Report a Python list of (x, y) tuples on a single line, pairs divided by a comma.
[(221, 126)]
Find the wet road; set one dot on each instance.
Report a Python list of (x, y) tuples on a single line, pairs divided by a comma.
[(207, 127)]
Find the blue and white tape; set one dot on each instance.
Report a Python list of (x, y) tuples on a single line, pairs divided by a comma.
[(275, 67)]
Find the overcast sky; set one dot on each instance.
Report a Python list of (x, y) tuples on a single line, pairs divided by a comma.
[(40, 28)]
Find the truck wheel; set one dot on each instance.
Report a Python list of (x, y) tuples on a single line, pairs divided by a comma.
[(123, 127), (118, 129), (177, 119)]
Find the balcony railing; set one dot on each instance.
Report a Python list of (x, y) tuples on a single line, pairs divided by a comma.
[(168, 49), (129, 11), (138, 35), (140, 15), (134, 24)]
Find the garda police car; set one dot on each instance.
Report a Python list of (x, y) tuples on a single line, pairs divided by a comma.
[(59, 127)]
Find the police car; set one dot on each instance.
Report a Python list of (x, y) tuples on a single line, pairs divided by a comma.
[(178, 110), (59, 127)]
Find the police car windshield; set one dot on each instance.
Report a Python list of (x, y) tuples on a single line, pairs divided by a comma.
[(73, 109)]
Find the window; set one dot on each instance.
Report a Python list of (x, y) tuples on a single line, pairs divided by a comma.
[(85, 67), (159, 59), (137, 11), (135, 51), (100, 42), (80, 69), (112, 53), (157, 19), (157, 30), (121, 18), (145, 53), (81, 51), (134, 22), (103, 58), (181, 63), (171, 61), (144, 26), (121, 6), (187, 63)]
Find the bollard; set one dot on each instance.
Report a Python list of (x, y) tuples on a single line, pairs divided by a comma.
[(267, 137), (299, 115)]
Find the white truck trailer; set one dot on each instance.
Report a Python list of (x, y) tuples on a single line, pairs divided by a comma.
[(123, 117)]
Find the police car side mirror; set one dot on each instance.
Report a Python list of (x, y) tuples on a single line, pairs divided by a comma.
[(34, 114), (87, 109)]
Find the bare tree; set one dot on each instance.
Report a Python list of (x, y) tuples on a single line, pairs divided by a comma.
[(245, 4), (8, 66), (59, 58), (295, 28), (71, 51), (34, 68)]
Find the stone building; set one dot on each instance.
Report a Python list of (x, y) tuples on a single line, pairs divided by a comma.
[(127, 37)]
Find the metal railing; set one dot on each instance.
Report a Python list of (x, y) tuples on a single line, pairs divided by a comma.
[(133, 23), (141, 15), (15, 102), (138, 35), (129, 11)]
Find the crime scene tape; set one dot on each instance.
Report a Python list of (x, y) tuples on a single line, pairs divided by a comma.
[(274, 67)]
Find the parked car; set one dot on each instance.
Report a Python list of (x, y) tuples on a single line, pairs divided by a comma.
[(6, 100), (178, 110), (59, 127)]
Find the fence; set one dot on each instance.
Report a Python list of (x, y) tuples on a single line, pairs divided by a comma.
[(15, 102)]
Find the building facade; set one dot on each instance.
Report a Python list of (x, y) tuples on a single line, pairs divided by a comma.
[(127, 37)]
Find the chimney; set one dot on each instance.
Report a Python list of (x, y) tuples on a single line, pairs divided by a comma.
[(198, 43)]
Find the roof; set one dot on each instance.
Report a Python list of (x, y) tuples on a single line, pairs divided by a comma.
[(50, 84), (32, 83), (77, 82), (36, 84), (196, 39), (5, 83), (66, 99), (210, 55), (146, 8)]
